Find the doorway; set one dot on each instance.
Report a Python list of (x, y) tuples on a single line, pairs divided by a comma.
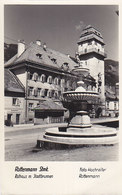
[(8, 122), (17, 118)]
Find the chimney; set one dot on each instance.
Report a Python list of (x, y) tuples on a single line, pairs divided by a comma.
[(38, 42), (68, 55), (21, 47), (44, 46)]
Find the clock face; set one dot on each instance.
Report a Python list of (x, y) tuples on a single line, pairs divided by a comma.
[(65, 66)]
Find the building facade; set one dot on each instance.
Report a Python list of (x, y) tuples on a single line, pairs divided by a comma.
[(112, 101), (44, 73), (14, 100)]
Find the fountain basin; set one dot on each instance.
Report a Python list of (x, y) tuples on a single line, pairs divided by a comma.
[(77, 137), (80, 96)]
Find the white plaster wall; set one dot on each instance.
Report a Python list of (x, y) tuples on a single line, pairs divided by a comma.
[(95, 67), (21, 74), (9, 103), (15, 109)]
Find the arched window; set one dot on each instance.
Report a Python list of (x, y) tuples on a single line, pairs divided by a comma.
[(49, 93), (56, 94), (49, 80), (56, 81), (35, 76), (43, 78), (42, 92)]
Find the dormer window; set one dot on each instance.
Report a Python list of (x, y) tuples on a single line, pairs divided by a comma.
[(39, 55), (65, 66), (54, 60)]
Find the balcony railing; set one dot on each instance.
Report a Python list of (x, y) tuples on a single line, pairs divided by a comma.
[(93, 50)]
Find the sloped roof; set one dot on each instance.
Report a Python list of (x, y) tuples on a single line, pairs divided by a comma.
[(11, 82), (49, 105), (47, 56)]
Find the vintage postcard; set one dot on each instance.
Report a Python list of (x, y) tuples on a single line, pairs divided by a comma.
[(60, 98)]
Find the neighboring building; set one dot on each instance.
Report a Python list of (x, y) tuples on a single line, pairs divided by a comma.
[(14, 99), (112, 101), (91, 53), (45, 74), (49, 112)]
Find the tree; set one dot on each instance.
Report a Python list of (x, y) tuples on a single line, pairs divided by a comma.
[(9, 51)]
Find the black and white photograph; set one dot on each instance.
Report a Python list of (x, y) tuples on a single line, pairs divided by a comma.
[(61, 82)]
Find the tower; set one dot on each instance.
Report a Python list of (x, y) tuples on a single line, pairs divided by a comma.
[(91, 53)]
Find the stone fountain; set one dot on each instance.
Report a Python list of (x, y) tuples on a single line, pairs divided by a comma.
[(79, 131)]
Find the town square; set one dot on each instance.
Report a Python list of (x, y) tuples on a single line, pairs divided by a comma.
[(61, 86)]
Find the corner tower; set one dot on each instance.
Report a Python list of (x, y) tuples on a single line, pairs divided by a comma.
[(91, 53)]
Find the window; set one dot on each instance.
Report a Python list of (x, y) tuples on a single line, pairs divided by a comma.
[(43, 78), (38, 91), (54, 60), (115, 107), (59, 93), (53, 92), (39, 55), (30, 91), (65, 66), (107, 105), (35, 92), (14, 101), (35, 76), (30, 105), (30, 76), (49, 94), (56, 81), (42, 92), (45, 92), (59, 81), (95, 43), (56, 95), (50, 79)]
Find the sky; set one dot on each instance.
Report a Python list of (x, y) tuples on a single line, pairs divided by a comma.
[(60, 26)]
